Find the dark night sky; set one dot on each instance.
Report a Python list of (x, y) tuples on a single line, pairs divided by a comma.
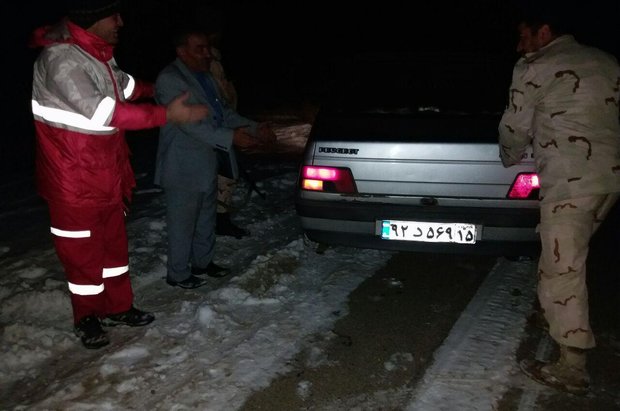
[(284, 51)]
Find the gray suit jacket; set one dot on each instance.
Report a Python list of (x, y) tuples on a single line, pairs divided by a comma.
[(185, 155)]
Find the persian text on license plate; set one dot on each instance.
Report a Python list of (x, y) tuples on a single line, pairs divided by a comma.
[(461, 233)]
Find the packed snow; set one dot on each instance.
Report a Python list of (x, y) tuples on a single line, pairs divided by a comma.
[(210, 348)]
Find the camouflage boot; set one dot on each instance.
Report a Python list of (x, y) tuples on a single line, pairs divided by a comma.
[(567, 374)]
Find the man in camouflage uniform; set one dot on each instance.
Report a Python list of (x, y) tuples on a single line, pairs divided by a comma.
[(563, 101)]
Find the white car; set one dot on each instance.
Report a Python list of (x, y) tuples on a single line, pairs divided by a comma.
[(416, 178)]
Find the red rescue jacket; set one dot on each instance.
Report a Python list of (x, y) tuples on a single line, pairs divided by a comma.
[(80, 107)]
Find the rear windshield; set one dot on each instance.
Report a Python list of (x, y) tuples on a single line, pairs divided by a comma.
[(427, 126), (412, 82)]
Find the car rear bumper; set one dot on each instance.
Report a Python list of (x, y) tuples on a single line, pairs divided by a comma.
[(502, 231)]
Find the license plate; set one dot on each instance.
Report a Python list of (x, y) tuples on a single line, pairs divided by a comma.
[(462, 233)]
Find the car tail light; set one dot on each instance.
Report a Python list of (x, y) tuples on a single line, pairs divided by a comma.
[(327, 179), (525, 186)]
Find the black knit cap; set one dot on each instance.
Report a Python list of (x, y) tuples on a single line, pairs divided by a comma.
[(85, 13)]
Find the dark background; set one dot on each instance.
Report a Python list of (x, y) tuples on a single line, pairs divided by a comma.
[(285, 54)]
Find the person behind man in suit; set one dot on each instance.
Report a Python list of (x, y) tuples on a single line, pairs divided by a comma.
[(225, 185), (187, 165), (212, 20)]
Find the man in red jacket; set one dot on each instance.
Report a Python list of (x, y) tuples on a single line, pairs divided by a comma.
[(80, 104)]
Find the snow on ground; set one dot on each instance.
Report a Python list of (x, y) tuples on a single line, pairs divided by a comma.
[(211, 347)]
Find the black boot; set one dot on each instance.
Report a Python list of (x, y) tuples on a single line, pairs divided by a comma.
[(132, 317), (224, 226), (90, 331)]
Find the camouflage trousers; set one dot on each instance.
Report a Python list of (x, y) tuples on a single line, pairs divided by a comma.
[(225, 188), (565, 229)]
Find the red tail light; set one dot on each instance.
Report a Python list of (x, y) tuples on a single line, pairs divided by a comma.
[(328, 179), (525, 186)]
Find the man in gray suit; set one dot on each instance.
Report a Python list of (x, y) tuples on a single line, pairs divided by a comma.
[(187, 165)]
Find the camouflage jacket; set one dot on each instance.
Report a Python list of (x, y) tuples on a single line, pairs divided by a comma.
[(563, 101)]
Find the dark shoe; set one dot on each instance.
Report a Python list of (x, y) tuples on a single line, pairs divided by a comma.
[(191, 282), (90, 331), (224, 226), (132, 317), (212, 270)]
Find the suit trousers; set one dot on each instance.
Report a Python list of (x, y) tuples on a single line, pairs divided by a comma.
[(190, 220), (566, 228)]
